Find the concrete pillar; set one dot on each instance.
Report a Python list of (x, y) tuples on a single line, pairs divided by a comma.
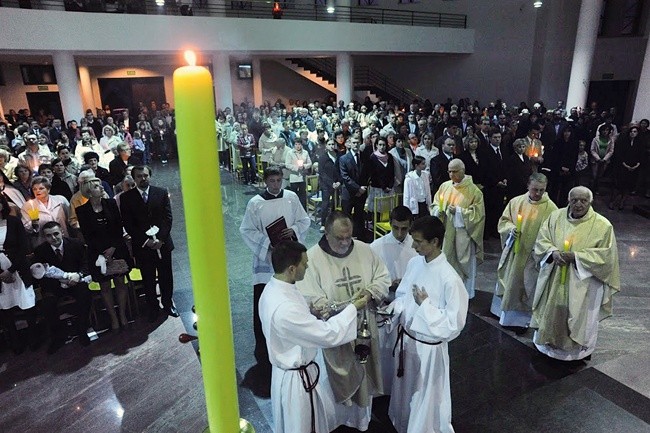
[(86, 89), (66, 78), (642, 102), (258, 97), (222, 80), (583, 52), (344, 77)]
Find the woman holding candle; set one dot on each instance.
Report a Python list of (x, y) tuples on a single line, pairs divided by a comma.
[(101, 226), (43, 208)]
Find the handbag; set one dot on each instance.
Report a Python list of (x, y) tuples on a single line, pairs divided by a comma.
[(116, 267)]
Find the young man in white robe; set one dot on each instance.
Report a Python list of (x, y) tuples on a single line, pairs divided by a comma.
[(395, 250), (430, 310), (262, 210), (578, 276), (341, 268), (293, 338)]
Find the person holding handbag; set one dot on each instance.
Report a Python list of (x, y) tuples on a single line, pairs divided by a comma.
[(101, 226)]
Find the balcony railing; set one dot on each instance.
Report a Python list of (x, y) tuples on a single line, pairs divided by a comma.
[(261, 9)]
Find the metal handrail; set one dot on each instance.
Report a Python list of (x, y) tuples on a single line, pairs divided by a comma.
[(260, 9), (364, 76)]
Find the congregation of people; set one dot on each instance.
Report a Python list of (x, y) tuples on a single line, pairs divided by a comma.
[(343, 322), (79, 214)]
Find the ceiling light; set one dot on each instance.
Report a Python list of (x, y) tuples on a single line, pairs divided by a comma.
[(160, 2), (330, 9), (538, 4)]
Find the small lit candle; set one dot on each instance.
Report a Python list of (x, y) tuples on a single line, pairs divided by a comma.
[(535, 154), (520, 219), (441, 203), (567, 247), (33, 213)]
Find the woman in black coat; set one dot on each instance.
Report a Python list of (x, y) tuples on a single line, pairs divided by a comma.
[(629, 154), (101, 226)]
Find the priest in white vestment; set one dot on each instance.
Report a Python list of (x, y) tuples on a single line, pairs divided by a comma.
[(262, 210), (301, 401), (430, 310), (579, 274), (459, 204), (341, 268), (517, 270), (395, 250)]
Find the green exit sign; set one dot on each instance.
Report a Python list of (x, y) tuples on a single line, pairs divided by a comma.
[(130, 72), (43, 88)]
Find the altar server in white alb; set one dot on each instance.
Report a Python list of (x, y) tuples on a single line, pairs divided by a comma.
[(430, 310), (301, 402), (262, 210), (395, 250)]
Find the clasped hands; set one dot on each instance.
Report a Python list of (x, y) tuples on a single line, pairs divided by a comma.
[(419, 294), (564, 258)]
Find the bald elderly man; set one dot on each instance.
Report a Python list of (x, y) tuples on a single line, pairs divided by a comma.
[(459, 204), (578, 276)]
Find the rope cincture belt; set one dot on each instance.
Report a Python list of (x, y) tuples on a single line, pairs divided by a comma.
[(400, 340), (309, 386)]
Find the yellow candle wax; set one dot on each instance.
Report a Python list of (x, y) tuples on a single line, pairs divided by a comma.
[(520, 219), (563, 272), (33, 213), (196, 135)]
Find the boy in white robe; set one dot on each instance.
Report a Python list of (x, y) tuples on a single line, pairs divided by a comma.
[(395, 250), (300, 402), (430, 310)]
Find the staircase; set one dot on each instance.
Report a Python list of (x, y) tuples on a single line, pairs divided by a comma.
[(322, 71)]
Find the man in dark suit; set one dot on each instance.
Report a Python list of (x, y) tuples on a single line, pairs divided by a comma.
[(69, 255), (328, 180), (355, 189), (494, 181), (142, 208), (440, 163), (55, 132)]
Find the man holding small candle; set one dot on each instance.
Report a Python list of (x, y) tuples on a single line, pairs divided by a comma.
[(579, 274), (517, 271), (459, 204)]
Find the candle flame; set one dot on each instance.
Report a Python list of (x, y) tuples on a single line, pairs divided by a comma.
[(190, 57)]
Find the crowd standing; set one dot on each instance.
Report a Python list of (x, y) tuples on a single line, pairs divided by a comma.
[(461, 174)]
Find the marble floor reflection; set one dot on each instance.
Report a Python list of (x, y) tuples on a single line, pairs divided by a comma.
[(144, 380)]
